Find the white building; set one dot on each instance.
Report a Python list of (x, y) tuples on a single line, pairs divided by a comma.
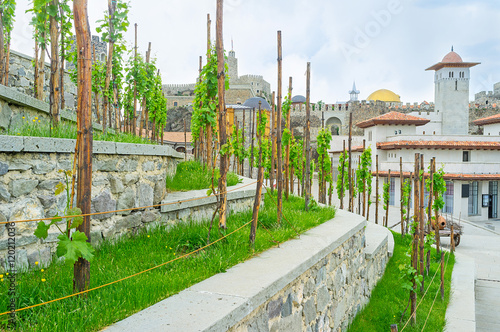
[(471, 162)]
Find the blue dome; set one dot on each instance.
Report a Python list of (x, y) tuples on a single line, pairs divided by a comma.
[(254, 103), (298, 99)]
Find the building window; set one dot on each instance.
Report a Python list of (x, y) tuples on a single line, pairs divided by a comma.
[(423, 132), (473, 196), (466, 156), (175, 103), (370, 136), (456, 85), (448, 198), (392, 190)]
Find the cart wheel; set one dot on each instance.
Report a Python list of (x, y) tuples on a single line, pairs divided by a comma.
[(456, 238)]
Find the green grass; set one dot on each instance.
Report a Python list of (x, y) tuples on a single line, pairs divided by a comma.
[(389, 299), (136, 253), (192, 175), (41, 128)]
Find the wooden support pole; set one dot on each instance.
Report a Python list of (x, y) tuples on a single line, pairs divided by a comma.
[(221, 82), (258, 191), (376, 189), (436, 213), (84, 189), (134, 116), (387, 211), (307, 143), (252, 142), (242, 172), (442, 276), (185, 141), (401, 180), (273, 142), (413, 294), (54, 67), (421, 221), (351, 205), (279, 133), (287, 151), (342, 193)]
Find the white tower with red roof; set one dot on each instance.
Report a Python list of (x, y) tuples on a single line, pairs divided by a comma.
[(451, 93)]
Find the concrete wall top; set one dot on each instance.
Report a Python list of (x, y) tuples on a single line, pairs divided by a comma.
[(61, 145)]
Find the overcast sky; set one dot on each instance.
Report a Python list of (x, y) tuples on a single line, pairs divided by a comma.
[(379, 44)]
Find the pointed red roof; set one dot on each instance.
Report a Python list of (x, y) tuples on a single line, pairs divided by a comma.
[(488, 120), (392, 118)]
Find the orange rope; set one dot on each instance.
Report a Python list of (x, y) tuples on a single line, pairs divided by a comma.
[(122, 210), (128, 277)]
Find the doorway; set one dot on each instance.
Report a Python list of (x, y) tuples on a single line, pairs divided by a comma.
[(493, 199)]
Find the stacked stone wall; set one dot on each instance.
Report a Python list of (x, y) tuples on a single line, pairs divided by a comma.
[(30, 171), (327, 296), (22, 78)]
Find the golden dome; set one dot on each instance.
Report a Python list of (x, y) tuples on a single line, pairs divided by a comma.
[(384, 95)]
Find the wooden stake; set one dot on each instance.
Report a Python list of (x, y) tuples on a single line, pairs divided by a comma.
[(258, 191), (252, 143), (401, 180), (307, 134), (342, 193), (436, 214), (351, 205), (185, 141), (222, 116), (84, 189), (279, 133), (54, 67), (376, 189), (243, 142), (421, 224), (287, 151), (442, 275), (413, 294), (134, 116), (273, 142), (452, 239), (387, 211)]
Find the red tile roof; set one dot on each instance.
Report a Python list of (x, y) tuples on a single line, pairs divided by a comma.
[(447, 176), (488, 120), (452, 145), (393, 118)]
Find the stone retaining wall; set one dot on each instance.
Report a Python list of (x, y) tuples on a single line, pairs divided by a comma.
[(326, 297), (318, 282), (124, 176)]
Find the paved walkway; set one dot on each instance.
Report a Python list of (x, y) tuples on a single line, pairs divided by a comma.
[(480, 242)]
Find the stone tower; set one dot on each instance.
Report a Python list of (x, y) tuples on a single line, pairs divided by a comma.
[(232, 64), (451, 93)]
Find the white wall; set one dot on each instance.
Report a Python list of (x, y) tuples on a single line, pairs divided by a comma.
[(492, 130)]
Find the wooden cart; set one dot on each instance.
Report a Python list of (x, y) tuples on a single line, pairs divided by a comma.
[(457, 230)]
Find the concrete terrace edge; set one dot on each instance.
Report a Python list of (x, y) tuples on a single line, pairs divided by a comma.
[(200, 198), (225, 299), (461, 311), (62, 145)]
